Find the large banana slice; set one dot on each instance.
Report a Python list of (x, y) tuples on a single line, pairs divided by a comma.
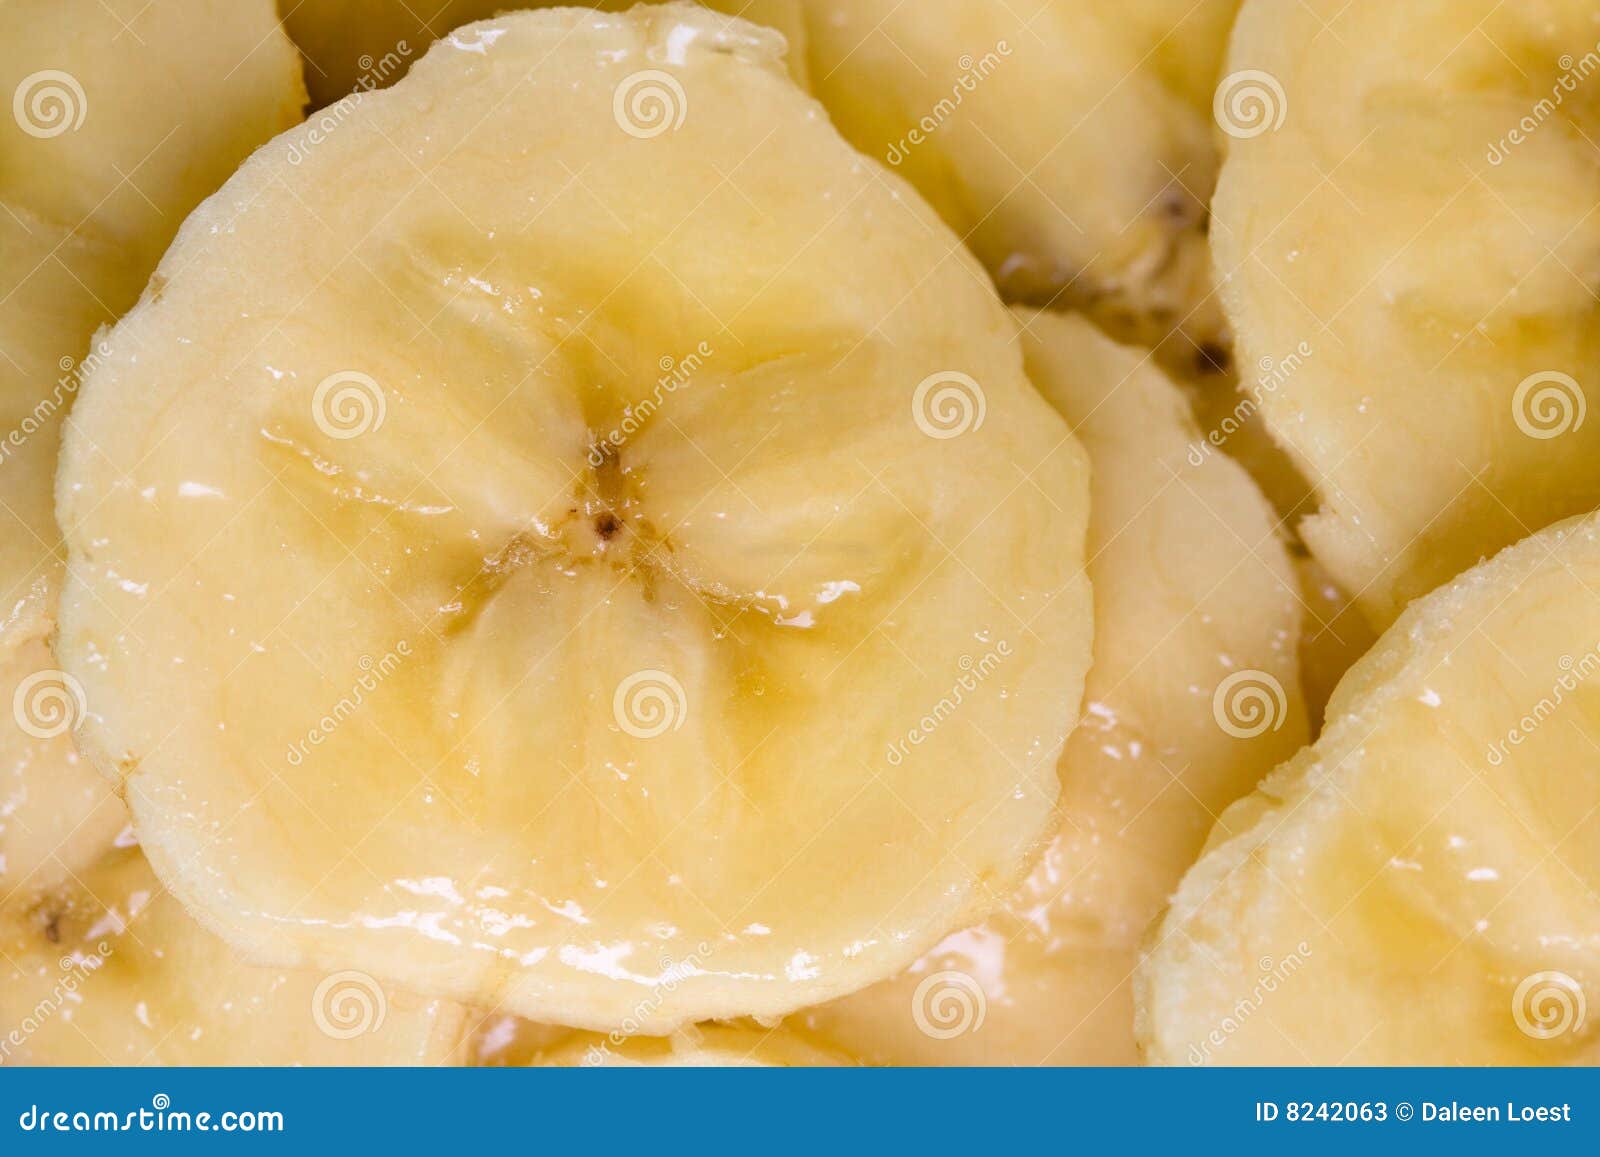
[(1410, 192), (1420, 886), (1191, 699), (549, 569), (56, 816), (124, 114), (359, 45), (109, 969), (1069, 143)]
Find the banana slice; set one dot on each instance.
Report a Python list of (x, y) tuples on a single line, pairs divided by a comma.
[(547, 573), (359, 45), (124, 115), (700, 1046), (1068, 143), (56, 816), (1420, 887), (109, 969), (1388, 204), (1191, 699)]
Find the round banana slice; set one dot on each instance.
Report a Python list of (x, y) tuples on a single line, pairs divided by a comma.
[(1420, 887), (1192, 698), (1412, 199), (56, 816), (358, 45), (540, 559), (1070, 144), (124, 115), (109, 969)]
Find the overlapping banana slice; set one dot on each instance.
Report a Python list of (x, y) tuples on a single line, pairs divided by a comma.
[(359, 45), (1069, 144), (1409, 191), (1420, 886), (108, 969), (1192, 698), (56, 816), (124, 114), (539, 553)]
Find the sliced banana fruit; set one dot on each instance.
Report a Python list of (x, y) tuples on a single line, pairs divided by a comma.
[(1385, 202), (1333, 635), (359, 45), (1070, 144), (700, 1046), (56, 816), (109, 969), (1420, 886), (548, 574), (1192, 698), (124, 115)]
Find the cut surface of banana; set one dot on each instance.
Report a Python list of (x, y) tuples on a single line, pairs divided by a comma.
[(57, 817), (124, 115), (1385, 204), (358, 45), (550, 574), (1420, 886), (1191, 699), (699, 1046), (107, 968), (1069, 144)]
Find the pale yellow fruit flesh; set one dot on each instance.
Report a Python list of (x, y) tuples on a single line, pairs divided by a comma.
[(369, 695), (1420, 886), (125, 115), (1069, 144), (57, 817), (1191, 588), (108, 969), (1443, 277), (358, 45), (699, 1046)]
